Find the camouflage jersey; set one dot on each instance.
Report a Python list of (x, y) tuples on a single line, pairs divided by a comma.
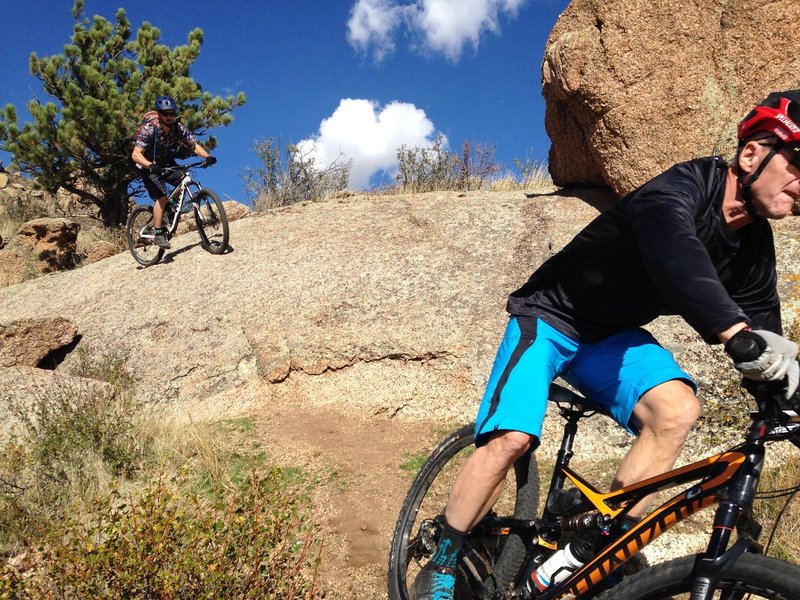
[(162, 148)]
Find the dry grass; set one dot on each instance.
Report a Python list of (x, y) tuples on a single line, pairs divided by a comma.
[(532, 176), (786, 541), (91, 485), (17, 210)]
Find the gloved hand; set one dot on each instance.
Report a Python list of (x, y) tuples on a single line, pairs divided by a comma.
[(156, 169), (210, 160), (774, 361)]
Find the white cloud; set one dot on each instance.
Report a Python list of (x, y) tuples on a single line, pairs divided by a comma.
[(372, 23), (369, 134), (444, 26)]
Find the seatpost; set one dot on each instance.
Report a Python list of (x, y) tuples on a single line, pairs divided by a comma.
[(565, 452)]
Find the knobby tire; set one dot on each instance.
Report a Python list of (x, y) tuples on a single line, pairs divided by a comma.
[(752, 576), (507, 566), (212, 222), (145, 252)]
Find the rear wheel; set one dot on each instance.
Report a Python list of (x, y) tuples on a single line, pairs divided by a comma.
[(140, 235), (490, 561), (212, 222), (752, 576)]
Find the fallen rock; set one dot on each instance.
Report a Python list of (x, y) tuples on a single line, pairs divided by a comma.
[(40, 246), (25, 342), (99, 250)]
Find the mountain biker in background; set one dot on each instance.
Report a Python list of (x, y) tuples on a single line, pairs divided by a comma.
[(695, 242), (156, 147)]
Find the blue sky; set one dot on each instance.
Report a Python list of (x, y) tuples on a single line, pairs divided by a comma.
[(357, 76)]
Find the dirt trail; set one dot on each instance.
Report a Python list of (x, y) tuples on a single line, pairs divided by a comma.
[(363, 486)]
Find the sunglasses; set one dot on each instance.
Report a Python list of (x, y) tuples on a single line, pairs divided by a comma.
[(794, 155), (169, 114), (792, 149)]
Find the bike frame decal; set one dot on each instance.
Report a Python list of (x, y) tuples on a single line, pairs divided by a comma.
[(683, 505)]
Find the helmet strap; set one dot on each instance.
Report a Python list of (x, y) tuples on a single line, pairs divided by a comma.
[(747, 180)]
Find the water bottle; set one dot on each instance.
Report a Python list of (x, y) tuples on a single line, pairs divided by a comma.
[(561, 565)]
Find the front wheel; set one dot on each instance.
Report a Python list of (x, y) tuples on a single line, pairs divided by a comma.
[(141, 236), (752, 576), (212, 222), (489, 562)]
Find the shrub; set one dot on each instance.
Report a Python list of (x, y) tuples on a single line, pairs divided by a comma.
[(19, 209), (251, 542), (300, 177), (477, 165), (533, 173), (70, 441), (84, 516), (426, 169)]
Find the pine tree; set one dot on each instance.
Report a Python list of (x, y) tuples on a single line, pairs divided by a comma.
[(103, 84)]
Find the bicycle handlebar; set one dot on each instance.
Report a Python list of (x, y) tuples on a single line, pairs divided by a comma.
[(202, 164), (745, 349)]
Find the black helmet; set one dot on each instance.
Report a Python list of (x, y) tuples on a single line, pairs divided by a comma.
[(165, 103)]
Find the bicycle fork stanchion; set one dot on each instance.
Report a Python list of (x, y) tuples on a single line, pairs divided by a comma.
[(735, 509)]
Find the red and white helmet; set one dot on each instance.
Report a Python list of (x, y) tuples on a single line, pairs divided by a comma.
[(778, 114)]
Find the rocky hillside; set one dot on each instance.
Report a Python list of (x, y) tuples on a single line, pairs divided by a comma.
[(356, 332), (389, 305)]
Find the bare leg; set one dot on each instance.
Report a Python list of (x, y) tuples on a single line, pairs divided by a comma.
[(665, 415), (158, 211), (481, 479)]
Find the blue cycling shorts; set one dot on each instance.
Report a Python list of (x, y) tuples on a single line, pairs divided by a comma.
[(614, 372)]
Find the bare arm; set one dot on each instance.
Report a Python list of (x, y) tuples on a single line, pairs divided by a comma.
[(137, 156), (726, 334), (200, 151)]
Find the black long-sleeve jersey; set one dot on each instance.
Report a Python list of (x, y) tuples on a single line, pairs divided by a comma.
[(664, 249)]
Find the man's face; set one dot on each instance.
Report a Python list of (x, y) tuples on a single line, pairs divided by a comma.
[(778, 187), (167, 118)]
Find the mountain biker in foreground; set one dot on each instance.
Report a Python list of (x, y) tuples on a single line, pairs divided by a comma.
[(695, 242), (156, 146)]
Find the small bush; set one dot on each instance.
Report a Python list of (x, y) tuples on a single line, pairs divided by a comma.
[(533, 173), (426, 169), (70, 441), (168, 542), (476, 167), (300, 178), (86, 512), (18, 210)]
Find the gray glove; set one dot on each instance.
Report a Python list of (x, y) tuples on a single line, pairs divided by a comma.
[(776, 359)]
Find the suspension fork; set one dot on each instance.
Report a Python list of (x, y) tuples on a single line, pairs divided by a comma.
[(733, 512)]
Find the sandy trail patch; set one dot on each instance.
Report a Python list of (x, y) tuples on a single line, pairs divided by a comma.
[(359, 461)]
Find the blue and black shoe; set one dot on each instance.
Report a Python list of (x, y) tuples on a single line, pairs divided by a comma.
[(433, 582)]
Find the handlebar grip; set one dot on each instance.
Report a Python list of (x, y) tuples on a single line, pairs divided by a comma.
[(745, 346)]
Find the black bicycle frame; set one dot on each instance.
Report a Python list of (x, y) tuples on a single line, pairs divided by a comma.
[(729, 478)]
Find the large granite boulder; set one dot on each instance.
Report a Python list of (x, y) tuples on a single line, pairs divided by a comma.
[(632, 87)]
